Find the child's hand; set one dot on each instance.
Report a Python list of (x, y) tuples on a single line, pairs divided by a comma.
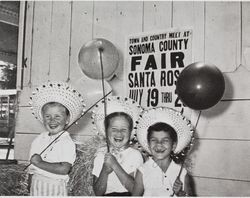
[(35, 159), (109, 161), (177, 186)]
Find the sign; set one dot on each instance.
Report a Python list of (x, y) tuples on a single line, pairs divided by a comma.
[(153, 64)]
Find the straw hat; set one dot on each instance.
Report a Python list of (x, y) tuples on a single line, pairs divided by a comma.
[(60, 92), (115, 104), (170, 116)]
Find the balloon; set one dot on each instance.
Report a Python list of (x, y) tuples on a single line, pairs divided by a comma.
[(95, 52), (91, 89), (200, 86)]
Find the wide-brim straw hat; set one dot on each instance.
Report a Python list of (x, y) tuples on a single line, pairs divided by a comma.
[(60, 92), (115, 104), (175, 119)]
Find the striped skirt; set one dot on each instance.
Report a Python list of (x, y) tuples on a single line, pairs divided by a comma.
[(45, 186)]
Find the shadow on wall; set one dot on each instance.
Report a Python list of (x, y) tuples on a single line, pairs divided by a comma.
[(210, 113), (225, 102)]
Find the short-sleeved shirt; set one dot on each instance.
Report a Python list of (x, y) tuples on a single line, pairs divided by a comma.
[(62, 150), (158, 183), (129, 159)]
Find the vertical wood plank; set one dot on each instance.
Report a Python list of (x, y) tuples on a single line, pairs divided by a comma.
[(27, 123), (128, 20), (81, 32), (223, 34), (106, 25), (190, 14), (118, 21), (245, 34), (59, 41), (22, 146), (157, 15), (41, 42), (20, 44), (28, 25)]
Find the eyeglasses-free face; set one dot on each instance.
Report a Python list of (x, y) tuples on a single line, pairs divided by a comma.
[(119, 132), (161, 144), (55, 119)]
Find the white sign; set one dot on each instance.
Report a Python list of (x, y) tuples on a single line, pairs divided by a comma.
[(153, 64)]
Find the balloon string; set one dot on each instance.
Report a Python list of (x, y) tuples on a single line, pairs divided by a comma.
[(70, 126), (182, 164), (198, 118), (103, 91)]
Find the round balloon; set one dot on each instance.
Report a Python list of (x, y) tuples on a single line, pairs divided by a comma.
[(96, 52), (200, 86)]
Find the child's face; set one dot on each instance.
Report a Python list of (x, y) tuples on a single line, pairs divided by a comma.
[(161, 144), (55, 119), (118, 132)]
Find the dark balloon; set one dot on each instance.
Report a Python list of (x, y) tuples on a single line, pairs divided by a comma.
[(200, 86)]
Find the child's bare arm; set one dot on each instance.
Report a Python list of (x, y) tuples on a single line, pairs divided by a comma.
[(126, 179), (100, 183), (138, 187), (61, 168)]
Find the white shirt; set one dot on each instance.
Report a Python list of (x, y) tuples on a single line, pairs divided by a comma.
[(62, 150), (158, 183), (129, 159)]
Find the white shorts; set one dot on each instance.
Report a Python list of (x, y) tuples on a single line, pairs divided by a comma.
[(45, 186)]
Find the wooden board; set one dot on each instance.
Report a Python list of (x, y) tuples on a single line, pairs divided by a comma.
[(28, 46), (191, 15), (115, 26), (41, 42), (157, 15), (223, 159), (222, 34), (245, 34), (226, 120), (81, 33), (207, 187), (59, 41), (26, 122), (23, 149)]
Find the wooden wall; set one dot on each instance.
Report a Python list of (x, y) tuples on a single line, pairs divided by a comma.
[(55, 31)]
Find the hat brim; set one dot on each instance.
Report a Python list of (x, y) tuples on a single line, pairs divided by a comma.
[(115, 104), (175, 119), (59, 92)]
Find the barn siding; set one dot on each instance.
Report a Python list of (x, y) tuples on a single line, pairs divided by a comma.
[(57, 30)]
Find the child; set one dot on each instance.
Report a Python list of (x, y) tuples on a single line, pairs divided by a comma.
[(56, 105), (162, 132), (114, 170)]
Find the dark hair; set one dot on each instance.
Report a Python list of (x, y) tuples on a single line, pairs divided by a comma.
[(53, 104), (161, 126), (118, 114)]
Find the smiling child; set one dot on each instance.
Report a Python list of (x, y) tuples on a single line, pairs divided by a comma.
[(56, 105), (162, 132), (114, 171)]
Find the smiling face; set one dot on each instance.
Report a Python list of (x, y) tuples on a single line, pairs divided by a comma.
[(162, 140), (55, 117), (161, 144), (119, 131)]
